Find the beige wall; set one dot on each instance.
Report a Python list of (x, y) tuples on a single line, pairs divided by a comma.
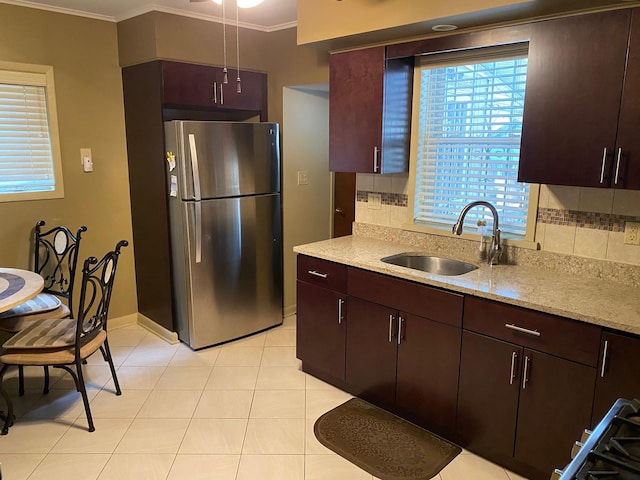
[(171, 37), (307, 208), (84, 55)]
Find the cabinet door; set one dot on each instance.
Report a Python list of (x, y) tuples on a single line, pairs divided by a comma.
[(254, 90), (628, 141), (371, 351), (320, 333), (356, 88), (427, 373), (488, 395), (572, 99), (619, 376), (187, 84), (555, 408)]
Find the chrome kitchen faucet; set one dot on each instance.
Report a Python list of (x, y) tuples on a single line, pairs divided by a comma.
[(495, 249)]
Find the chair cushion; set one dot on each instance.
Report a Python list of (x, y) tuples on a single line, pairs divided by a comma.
[(50, 356), (45, 333), (43, 302), (15, 324)]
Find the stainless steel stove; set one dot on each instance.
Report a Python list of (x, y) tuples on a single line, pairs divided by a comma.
[(612, 449)]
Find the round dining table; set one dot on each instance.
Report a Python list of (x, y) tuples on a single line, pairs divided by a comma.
[(17, 286)]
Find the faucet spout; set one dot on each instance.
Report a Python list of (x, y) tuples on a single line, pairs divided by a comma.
[(495, 249)]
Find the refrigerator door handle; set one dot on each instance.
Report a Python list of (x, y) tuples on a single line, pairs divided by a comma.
[(197, 227), (194, 167)]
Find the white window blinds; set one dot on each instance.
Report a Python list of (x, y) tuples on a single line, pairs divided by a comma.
[(26, 155), (470, 119)]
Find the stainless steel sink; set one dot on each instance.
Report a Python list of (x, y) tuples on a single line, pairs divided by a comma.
[(430, 264)]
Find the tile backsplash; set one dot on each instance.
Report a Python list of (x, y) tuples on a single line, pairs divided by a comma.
[(586, 222)]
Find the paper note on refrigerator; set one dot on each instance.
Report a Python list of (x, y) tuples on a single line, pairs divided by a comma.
[(173, 189)]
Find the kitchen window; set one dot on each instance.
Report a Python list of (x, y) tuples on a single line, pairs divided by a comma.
[(30, 164), (466, 143)]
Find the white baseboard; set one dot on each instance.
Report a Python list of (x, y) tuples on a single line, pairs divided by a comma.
[(289, 310), (160, 331), (123, 321)]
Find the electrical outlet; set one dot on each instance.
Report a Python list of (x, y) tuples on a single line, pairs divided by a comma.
[(632, 233), (374, 201)]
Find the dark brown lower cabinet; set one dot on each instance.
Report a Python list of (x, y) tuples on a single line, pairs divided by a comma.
[(371, 351), (404, 362), (618, 375), (321, 321), (521, 407), (488, 395), (554, 409), (427, 373)]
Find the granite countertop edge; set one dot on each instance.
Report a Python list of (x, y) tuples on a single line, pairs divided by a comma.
[(594, 301)]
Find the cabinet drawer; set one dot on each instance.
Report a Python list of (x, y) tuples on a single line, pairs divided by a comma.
[(540, 331), (323, 273), (428, 302)]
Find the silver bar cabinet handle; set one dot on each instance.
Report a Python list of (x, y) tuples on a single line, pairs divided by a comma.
[(522, 330), (215, 92), (391, 319), (317, 274), (340, 316), (512, 375), (376, 167), (221, 95), (400, 322), (525, 373), (617, 166), (604, 161), (605, 352)]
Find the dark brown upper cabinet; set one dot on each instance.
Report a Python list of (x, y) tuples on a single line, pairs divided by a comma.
[(627, 172), (192, 85), (369, 111), (581, 109)]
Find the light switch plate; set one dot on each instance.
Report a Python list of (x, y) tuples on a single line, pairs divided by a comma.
[(303, 177), (86, 160)]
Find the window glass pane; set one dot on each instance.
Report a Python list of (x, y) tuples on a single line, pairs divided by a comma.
[(470, 120), (26, 158)]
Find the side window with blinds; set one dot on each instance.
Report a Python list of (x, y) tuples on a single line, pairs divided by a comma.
[(30, 165), (469, 120)]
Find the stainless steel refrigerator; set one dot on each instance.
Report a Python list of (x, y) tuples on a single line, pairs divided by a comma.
[(226, 228)]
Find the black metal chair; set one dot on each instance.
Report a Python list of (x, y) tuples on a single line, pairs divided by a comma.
[(55, 259), (66, 343)]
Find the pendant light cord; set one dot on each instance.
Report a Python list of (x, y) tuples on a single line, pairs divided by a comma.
[(238, 85), (225, 78)]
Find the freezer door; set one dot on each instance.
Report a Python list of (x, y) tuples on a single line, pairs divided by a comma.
[(224, 159), (232, 277)]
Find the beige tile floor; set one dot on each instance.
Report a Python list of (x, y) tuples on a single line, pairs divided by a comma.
[(242, 411)]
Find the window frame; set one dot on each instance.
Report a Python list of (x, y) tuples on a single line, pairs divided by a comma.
[(38, 75), (470, 55)]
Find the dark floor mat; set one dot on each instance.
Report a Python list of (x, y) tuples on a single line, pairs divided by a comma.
[(384, 445)]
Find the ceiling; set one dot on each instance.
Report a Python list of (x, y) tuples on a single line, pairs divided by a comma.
[(269, 16)]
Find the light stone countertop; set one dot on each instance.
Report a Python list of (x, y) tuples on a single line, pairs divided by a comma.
[(589, 300)]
